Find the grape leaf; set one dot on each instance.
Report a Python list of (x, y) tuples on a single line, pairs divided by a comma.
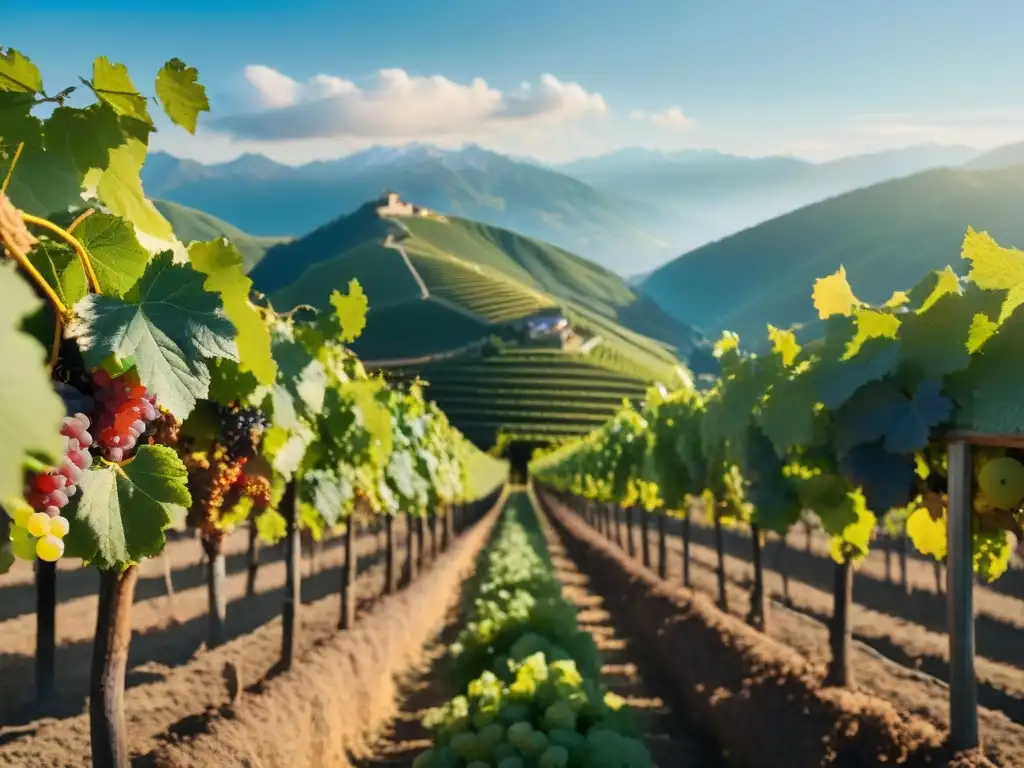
[(181, 94), (271, 526), (18, 73), (880, 410), (936, 285), (85, 135), (222, 264), (937, 341), (32, 412), (832, 295), (44, 182), (927, 533), (787, 416), (988, 390), (60, 267), (117, 257), (330, 493), (994, 268), (855, 539), (301, 374), (871, 324), (17, 126), (120, 513), (119, 187), (168, 323), (982, 329), (111, 84), (887, 480), (351, 310), (837, 380), (784, 344)]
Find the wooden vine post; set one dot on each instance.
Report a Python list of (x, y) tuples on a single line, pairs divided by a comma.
[(446, 529), (723, 596), (840, 669), (107, 728), (433, 536), (687, 534), (216, 578), (293, 579), (630, 544), (409, 569), (420, 542)]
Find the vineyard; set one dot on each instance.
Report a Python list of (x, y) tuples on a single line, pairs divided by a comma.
[(225, 543)]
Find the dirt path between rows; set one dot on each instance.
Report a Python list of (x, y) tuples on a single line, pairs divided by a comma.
[(671, 738), (880, 635)]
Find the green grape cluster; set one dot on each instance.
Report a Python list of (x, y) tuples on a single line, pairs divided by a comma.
[(535, 700)]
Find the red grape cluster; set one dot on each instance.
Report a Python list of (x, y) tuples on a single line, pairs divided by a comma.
[(124, 410), (50, 491)]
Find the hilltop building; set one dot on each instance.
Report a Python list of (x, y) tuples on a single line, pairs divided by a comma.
[(391, 204)]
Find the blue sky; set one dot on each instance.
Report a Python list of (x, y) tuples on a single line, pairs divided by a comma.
[(817, 78)]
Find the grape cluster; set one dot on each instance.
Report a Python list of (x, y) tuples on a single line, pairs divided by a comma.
[(49, 492), (258, 488), (241, 431), (124, 410), (210, 479), (166, 430)]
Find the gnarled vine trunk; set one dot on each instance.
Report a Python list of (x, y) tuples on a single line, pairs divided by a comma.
[(390, 572), (723, 597), (216, 594), (758, 616), (252, 559), (840, 631), (645, 537), (662, 546), (46, 631), (687, 535), (293, 579), (107, 729), (630, 544)]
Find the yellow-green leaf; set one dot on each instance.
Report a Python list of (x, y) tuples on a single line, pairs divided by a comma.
[(351, 310), (832, 295), (112, 84), (221, 262), (994, 268), (181, 94)]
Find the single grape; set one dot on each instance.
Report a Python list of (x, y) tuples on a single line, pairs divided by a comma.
[(58, 499), (49, 548), (22, 544), (59, 527), (46, 482), (115, 454), (38, 524), (52, 512)]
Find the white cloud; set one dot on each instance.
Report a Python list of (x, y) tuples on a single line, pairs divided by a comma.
[(671, 119), (398, 105)]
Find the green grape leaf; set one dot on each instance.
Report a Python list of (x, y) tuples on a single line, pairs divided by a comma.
[(787, 416), (117, 257), (181, 94), (120, 513), (43, 182), (936, 285), (982, 329), (18, 74), (882, 411), (837, 380), (85, 135), (17, 126), (222, 264), (988, 390), (937, 342), (853, 542), (61, 268), (32, 412), (351, 310), (168, 323), (887, 480), (994, 268), (329, 493), (119, 187), (111, 84), (229, 384), (7, 558)]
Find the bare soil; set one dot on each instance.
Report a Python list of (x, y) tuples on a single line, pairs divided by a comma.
[(885, 638), (176, 687)]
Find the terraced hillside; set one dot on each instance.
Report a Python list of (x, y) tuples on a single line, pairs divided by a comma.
[(531, 394), (487, 276)]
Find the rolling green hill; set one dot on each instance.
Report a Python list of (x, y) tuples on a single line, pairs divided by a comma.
[(450, 300), (189, 224), (886, 236), (488, 275)]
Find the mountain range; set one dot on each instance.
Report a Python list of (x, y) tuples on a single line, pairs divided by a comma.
[(887, 236), (629, 211)]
